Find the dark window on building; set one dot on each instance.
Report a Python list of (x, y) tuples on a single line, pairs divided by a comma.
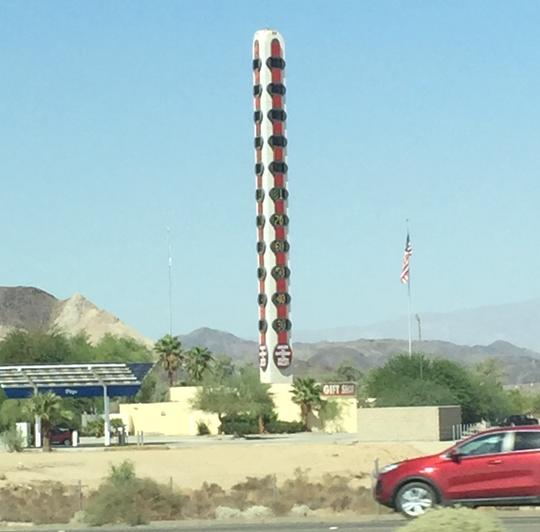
[(257, 116), (257, 90), (258, 142), (259, 168), (262, 299), (259, 195), (277, 115), (526, 441), (261, 247), (278, 167), (261, 273), (260, 220), (275, 62), (257, 64), (277, 141), (263, 326), (275, 88), (279, 246)]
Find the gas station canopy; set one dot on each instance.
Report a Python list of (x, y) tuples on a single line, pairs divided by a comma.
[(73, 380)]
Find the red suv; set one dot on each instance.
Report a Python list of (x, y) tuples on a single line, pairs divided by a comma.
[(499, 467)]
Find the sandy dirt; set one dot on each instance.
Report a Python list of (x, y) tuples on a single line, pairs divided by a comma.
[(224, 464)]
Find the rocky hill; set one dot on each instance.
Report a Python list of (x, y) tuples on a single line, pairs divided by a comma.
[(30, 308), (522, 365), (23, 307), (220, 342)]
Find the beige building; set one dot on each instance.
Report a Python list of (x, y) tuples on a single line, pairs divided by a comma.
[(407, 423), (177, 417), (172, 418)]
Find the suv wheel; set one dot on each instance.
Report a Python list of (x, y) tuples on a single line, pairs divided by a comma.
[(415, 499), (67, 442)]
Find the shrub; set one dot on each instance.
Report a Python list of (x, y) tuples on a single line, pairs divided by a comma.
[(38, 503), (252, 492), (95, 428), (452, 519), (202, 429), (329, 411), (125, 498), (13, 440), (203, 502), (334, 492), (240, 427), (123, 473), (285, 427)]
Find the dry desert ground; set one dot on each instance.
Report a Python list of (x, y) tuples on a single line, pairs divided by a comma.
[(226, 465)]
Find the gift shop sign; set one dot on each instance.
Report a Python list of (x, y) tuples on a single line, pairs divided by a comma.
[(341, 389)]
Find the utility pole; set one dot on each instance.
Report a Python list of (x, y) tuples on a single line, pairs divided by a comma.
[(417, 316)]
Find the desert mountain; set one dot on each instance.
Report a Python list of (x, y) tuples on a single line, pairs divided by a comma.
[(28, 308), (521, 365), (516, 323), (220, 342)]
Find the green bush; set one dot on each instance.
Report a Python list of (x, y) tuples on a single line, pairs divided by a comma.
[(240, 427), (330, 411), (95, 428), (452, 519), (12, 411), (285, 427), (202, 429), (13, 440), (123, 473), (125, 498)]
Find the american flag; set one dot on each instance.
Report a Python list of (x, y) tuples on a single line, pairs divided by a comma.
[(406, 260)]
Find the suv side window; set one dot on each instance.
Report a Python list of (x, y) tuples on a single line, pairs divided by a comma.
[(526, 441), (488, 444)]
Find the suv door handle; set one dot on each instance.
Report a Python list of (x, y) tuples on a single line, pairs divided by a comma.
[(497, 461)]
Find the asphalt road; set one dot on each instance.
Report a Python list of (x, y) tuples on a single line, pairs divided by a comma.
[(529, 523)]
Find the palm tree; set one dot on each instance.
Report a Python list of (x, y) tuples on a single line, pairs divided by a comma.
[(197, 362), (306, 393), (169, 350), (47, 407)]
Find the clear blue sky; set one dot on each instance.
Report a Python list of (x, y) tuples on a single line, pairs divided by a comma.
[(120, 118)]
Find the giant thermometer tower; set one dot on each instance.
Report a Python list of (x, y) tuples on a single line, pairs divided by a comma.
[(275, 355)]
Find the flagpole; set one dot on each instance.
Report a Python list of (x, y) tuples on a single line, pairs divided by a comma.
[(406, 278), (410, 314), (409, 299)]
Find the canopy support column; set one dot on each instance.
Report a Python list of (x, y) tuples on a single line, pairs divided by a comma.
[(107, 420), (37, 419), (37, 432)]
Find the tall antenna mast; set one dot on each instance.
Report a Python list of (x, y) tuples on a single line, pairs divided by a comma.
[(169, 249)]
